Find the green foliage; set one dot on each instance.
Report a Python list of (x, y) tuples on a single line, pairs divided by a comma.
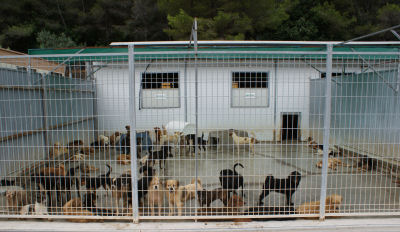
[(46, 39), (100, 22)]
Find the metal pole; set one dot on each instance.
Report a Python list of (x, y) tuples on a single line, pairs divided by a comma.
[(327, 124), (194, 33), (275, 98), (132, 123)]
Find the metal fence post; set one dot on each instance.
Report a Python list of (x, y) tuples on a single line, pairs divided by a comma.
[(196, 149), (327, 123), (132, 122)]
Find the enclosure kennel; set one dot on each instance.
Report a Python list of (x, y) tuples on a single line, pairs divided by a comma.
[(293, 104)]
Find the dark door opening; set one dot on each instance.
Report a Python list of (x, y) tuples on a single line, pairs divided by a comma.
[(290, 127)]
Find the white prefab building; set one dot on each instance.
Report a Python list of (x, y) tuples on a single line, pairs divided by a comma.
[(259, 88)]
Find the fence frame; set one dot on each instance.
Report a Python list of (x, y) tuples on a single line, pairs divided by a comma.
[(132, 115)]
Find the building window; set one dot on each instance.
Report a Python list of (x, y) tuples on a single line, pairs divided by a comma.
[(160, 90), (250, 89)]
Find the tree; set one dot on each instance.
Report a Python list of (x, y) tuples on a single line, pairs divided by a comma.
[(46, 39)]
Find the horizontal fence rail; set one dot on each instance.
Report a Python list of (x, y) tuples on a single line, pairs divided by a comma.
[(167, 134)]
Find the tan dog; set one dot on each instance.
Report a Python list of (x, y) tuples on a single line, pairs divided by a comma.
[(235, 202), (114, 138), (332, 163), (57, 150), (174, 197), (332, 203), (124, 159), (237, 140), (17, 199), (53, 171), (88, 168), (155, 195), (75, 207), (87, 150), (189, 190)]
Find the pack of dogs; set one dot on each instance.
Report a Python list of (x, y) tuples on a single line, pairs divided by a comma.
[(151, 188)]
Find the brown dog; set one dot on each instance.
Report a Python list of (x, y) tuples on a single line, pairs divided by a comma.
[(124, 159), (235, 201), (114, 138), (155, 195), (332, 163), (189, 190), (16, 199), (206, 197), (57, 150), (75, 207), (88, 168), (53, 171), (158, 133), (174, 197), (332, 203)]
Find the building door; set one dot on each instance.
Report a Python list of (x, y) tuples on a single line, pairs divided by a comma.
[(290, 126)]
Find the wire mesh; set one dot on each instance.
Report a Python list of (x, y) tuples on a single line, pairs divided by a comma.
[(67, 125)]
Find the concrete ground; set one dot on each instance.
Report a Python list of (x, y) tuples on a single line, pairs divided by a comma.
[(363, 192), (349, 224)]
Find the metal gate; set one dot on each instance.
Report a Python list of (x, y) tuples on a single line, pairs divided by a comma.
[(220, 130)]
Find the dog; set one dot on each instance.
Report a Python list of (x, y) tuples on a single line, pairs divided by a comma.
[(34, 209), (17, 199), (101, 143), (237, 140), (235, 201), (189, 190), (160, 156), (233, 207), (285, 186), (155, 195), (52, 171), (86, 150), (366, 163), (94, 183), (124, 159), (144, 182), (120, 187), (158, 134), (57, 150), (77, 208), (190, 140), (88, 168), (206, 197), (74, 146), (58, 186), (231, 180), (332, 163), (174, 197), (168, 139), (78, 157), (114, 138), (332, 204)]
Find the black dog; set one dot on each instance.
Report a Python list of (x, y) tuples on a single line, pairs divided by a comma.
[(144, 182), (285, 186), (93, 183), (231, 180), (160, 155), (201, 143)]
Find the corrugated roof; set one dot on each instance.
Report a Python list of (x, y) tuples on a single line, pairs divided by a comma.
[(225, 52)]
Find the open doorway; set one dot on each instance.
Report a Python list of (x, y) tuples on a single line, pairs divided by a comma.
[(290, 126)]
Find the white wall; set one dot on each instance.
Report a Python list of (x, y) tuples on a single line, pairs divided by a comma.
[(215, 111)]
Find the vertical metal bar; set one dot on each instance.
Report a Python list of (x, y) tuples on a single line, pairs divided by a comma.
[(194, 32), (186, 95), (94, 108), (44, 112), (132, 123), (327, 123), (275, 98)]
